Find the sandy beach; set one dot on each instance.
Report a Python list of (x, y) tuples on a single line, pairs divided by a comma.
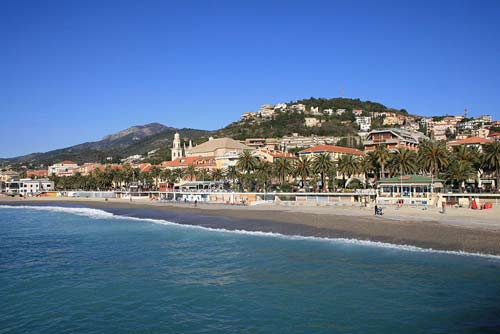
[(459, 229)]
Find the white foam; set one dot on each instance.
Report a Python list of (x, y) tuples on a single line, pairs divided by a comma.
[(101, 214)]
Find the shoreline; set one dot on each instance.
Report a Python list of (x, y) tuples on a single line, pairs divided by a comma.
[(408, 228)]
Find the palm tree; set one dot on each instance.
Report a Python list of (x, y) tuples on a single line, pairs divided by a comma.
[(460, 171), (433, 156), (177, 174), (303, 168), (382, 157), (155, 174), (348, 165), (405, 161), (282, 168), (366, 167), (246, 162), (232, 174), (203, 175), (217, 174), (190, 172), (322, 164), (263, 173), (492, 160)]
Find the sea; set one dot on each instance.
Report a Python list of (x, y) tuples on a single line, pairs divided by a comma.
[(80, 270)]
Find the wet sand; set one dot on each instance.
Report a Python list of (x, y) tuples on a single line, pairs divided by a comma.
[(404, 227)]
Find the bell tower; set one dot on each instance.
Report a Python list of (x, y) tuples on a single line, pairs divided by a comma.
[(176, 147)]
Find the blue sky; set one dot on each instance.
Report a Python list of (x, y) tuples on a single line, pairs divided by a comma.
[(74, 71)]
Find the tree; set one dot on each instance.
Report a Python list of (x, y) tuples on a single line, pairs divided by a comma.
[(246, 162), (177, 174), (460, 171), (282, 168), (303, 168), (217, 174), (322, 164), (405, 161), (203, 175), (492, 160), (433, 156), (366, 167), (155, 174), (382, 156), (190, 172), (263, 174), (347, 165), (232, 174)]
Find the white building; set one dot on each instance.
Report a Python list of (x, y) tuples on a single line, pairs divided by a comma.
[(65, 168), (312, 122), (29, 186), (364, 122), (340, 112)]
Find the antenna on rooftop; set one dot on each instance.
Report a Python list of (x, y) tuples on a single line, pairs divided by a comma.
[(465, 113)]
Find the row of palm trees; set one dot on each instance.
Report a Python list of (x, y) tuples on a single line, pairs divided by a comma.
[(251, 174)]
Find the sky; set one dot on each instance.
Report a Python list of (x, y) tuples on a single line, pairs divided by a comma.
[(75, 71)]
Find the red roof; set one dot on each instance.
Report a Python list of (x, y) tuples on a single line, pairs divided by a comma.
[(37, 172), (331, 148), (470, 141), (180, 162), (494, 134), (68, 162)]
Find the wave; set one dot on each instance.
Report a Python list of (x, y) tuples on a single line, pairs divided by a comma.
[(101, 214)]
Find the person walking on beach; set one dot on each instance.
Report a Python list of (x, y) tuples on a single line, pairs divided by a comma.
[(376, 209)]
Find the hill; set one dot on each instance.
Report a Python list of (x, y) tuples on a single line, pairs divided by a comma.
[(134, 140), (283, 121)]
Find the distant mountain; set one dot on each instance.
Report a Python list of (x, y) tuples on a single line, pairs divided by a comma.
[(134, 140)]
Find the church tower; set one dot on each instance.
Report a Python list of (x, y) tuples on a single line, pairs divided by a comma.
[(176, 148)]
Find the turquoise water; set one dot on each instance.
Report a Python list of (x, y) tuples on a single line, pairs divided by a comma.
[(90, 272)]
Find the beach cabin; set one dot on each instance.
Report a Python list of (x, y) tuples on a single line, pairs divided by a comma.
[(408, 189)]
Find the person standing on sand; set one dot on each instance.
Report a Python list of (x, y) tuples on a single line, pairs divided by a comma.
[(376, 209)]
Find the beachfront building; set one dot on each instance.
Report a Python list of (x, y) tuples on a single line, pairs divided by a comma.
[(65, 168), (29, 186), (393, 139), (411, 189)]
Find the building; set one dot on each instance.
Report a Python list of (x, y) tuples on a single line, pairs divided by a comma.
[(357, 112), (477, 142), (335, 152), (393, 120), (481, 132), (31, 187), (311, 122), (217, 147), (88, 168), (268, 143), (37, 173), (485, 118), (296, 141), (412, 189), (271, 155), (9, 175), (495, 136), (393, 139), (364, 122), (176, 147), (65, 168)]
